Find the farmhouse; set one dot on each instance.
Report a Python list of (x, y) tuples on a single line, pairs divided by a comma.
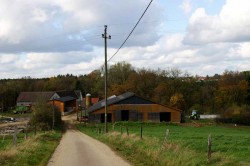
[(130, 107), (66, 101)]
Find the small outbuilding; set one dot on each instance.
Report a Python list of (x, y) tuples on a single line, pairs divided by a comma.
[(65, 104), (130, 107)]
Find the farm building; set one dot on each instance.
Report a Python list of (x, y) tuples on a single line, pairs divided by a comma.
[(130, 107), (65, 104), (29, 98), (66, 101)]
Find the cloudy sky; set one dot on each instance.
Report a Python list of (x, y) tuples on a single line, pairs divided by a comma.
[(44, 38)]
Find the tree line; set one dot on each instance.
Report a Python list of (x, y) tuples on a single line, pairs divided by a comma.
[(171, 86)]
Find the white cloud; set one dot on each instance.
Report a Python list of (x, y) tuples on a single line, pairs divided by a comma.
[(10, 58), (39, 15), (26, 24), (186, 6), (45, 38), (230, 25), (244, 50)]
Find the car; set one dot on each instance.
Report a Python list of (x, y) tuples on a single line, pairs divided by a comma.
[(7, 119), (84, 119)]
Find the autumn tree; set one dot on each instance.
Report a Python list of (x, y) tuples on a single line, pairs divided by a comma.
[(233, 89), (177, 101)]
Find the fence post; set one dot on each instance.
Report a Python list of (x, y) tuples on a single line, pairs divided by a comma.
[(99, 130), (141, 131), (127, 130), (26, 132), (14, 136), (121, 128), (4, 134), (209, 145), (113, 127), (165, 137), (35, 128)]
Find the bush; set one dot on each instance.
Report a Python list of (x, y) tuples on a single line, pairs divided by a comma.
[(236, 115), (42, 116)]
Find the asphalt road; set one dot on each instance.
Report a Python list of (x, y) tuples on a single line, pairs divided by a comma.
[(78, 149)]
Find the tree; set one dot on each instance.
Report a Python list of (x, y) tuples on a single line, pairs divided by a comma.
[(119, 73), (232, 89), (42, 115), (177, 101)]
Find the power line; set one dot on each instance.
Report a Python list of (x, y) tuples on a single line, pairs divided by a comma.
[(131, 31)]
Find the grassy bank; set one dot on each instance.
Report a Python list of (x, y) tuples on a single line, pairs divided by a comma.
[(36, 150), (185, 145)]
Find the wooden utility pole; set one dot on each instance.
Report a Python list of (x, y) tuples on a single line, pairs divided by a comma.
[(53, 107), (2, 106), (106, 73)]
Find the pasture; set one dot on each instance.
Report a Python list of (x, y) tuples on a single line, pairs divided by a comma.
[(185, 144)]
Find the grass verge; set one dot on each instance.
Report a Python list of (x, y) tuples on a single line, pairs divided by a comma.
[(36, 150)]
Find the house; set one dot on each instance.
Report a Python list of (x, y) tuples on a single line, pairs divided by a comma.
[(66, 101), (130, 107)]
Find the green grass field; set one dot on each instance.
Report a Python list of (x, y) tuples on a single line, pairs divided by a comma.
[(186, 145)]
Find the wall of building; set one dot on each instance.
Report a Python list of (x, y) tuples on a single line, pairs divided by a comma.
[(59, 105), (24, 103), (138, 112)]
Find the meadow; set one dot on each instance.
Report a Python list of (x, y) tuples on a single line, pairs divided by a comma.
[(185, 145)]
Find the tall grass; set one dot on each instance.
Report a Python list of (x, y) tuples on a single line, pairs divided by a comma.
[(186, 145), (36, 150)]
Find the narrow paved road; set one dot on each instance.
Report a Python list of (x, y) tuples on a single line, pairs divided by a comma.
[(78, 149)]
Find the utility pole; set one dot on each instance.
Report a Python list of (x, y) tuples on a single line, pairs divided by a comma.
[(106, 73), (53, 107)]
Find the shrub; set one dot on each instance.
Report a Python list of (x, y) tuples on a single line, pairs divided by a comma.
[(236, 114), (42, 116)]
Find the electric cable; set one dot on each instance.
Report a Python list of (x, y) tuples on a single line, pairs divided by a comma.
[(131, 31)]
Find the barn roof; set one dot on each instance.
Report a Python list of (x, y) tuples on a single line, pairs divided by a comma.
[(65, 99), (65, 93), (34, 96), (111, 100)]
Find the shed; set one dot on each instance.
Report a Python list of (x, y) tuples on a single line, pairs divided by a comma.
[(130, 107), (65, 104)]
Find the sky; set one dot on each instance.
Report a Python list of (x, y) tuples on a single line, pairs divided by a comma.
[(44, 38)]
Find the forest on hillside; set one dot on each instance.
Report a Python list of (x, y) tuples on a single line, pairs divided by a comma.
[(173, 87)]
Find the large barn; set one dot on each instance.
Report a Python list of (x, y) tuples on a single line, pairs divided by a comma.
[(130, 107)]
